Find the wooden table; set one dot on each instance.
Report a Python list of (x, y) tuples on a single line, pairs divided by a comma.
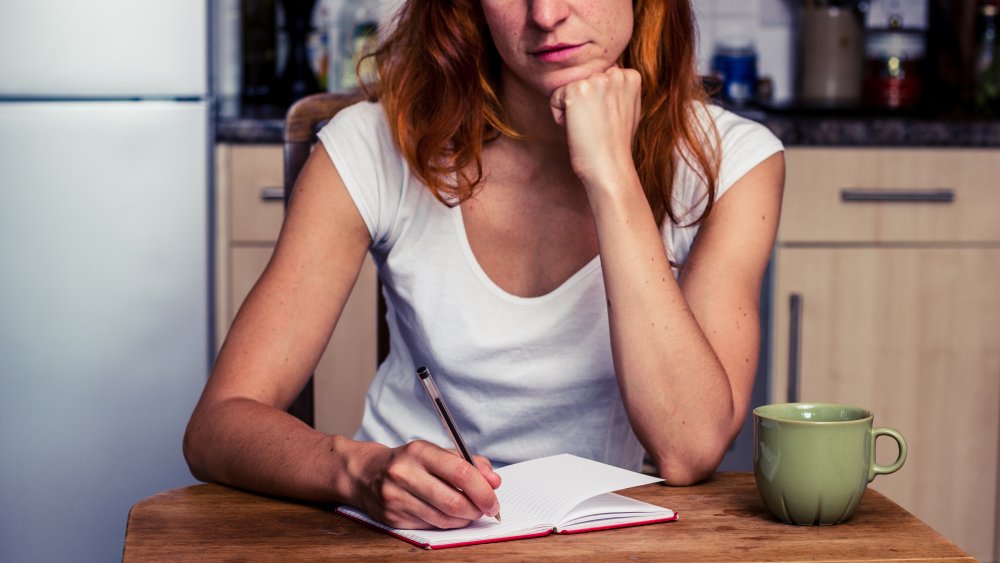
[(720, 520)]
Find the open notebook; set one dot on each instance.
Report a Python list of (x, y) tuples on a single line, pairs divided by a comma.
[(564, 494)]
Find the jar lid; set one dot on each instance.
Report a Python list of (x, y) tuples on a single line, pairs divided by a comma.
[(895, 43), (734, 46)]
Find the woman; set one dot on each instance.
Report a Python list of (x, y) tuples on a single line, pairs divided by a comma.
[(530, 184)]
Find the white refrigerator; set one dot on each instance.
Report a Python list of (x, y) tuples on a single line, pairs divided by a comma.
[(105, 309)]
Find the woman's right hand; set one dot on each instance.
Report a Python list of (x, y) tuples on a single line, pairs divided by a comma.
[(601, 115), (419, 485)]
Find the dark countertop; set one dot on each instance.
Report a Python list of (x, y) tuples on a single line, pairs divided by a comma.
[(248, 124), (249, 130), (869, 129), (794, 126)]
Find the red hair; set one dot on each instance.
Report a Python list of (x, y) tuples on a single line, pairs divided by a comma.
[(438, 73)]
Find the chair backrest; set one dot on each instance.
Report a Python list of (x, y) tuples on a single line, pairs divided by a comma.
[(302, 121)]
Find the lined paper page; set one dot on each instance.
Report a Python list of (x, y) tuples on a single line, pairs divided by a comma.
[(550, 487), (610, 506)]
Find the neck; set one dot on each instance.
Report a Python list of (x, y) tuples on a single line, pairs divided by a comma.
[(530, 115)]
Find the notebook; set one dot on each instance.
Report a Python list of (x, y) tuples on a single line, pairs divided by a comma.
[(562, 494)]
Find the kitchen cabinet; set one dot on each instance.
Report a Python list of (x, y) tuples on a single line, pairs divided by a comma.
[(249, 212), (887, 296)]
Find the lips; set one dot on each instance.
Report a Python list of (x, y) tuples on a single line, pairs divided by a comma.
[(556, 52)]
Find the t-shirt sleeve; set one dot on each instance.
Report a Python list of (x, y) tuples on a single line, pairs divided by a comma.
[(745, 144), (360, 145)]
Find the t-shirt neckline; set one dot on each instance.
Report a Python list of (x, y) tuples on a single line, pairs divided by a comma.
[(567, 285)]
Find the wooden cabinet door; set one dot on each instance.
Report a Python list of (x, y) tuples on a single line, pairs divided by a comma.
[(912, 334), (349, 362)]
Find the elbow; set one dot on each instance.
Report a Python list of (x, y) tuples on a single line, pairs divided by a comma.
[(684, 472), (694, 464), (193, 450), (697, 458)]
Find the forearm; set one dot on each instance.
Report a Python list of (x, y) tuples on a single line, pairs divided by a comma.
[(247, 444), (676, 390), (685, 353), (250, 445)]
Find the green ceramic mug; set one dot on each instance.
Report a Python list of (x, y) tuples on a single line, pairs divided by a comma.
[(813, 461)]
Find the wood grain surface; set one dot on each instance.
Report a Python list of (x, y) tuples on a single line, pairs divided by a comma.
[(721, 519)]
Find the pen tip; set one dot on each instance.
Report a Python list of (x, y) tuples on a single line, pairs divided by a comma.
[(498, 518)]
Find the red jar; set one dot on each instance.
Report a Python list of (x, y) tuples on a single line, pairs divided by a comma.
[(893, 63)]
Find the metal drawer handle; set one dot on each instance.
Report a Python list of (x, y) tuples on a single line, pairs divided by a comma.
[(794, 342), (272, 194), (936, 195)]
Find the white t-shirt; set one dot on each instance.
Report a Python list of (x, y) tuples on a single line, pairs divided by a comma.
[(523, 377)]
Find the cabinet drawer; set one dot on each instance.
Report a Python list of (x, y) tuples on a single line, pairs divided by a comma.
[(891, 195), (257, 208)]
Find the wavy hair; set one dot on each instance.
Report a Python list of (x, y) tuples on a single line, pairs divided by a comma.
[(439, 73)]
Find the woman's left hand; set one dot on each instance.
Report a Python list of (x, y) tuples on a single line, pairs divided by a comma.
[(601, 114)]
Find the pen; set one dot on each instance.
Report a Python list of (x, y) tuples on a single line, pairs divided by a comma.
[(446, 419)]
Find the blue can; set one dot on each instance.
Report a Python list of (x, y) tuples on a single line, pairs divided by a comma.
[(736, 66)]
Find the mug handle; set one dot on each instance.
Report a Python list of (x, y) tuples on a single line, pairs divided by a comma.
[(877, 469)]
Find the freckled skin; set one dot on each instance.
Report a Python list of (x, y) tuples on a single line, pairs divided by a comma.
[(603, 27)]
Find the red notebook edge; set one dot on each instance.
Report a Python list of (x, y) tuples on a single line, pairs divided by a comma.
[(625, 525), (381, 529), (491, 540)]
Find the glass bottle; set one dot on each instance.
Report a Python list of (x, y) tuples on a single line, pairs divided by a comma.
[(297, 78), (326, 21), (359, 33), (259, 51), (987, 89), (362, 23)]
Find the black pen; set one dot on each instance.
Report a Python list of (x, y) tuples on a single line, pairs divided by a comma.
[(446, 419)]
